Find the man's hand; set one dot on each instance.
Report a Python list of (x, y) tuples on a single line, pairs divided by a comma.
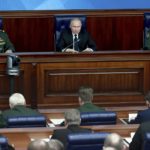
[(88, 50), (69, 50)]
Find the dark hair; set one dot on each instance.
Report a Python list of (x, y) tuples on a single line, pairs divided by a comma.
[(86, 94)]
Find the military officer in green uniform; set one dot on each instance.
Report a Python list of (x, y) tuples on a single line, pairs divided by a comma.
[(5, 44)]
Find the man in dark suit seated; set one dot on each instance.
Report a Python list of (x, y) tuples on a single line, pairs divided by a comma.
[(85, 100), (75, 40), (18, 107), (143, 115), (5, 44), (138, 139), (72, 121)]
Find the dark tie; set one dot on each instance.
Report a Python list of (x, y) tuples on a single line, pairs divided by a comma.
[(76, 47)]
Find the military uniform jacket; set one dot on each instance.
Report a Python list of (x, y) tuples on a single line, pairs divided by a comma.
[(89, 107), (19, 110), (5, 43)]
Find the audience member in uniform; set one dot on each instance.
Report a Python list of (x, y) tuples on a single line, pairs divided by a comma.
[(138, 138), (38, 145), (18, 107), (5, 44), (144, 115), (85, 100), (55, 144), (114, 141), (72, 121)]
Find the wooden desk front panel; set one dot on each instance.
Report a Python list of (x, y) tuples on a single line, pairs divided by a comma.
[(117, 83), (52, 79)]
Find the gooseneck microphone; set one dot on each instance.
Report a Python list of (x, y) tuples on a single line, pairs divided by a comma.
[(64, 50)]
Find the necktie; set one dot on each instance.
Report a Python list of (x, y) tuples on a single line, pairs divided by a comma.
[(76, 47)]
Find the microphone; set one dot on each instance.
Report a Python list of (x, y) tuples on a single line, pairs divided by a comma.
[(71, 45)]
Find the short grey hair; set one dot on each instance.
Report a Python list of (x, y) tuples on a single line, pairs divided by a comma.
[(16, 99), (86, 94), (72, 116), (115, 141), (55, 144), (75, 19), (38, 145)]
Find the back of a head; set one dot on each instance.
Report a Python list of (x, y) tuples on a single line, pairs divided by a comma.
[(38, 145), (55, 144), (16, 99), (85, 94), (114, 141), (72, 116)]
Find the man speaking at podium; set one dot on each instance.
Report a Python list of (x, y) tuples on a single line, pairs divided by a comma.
[(75, 40)]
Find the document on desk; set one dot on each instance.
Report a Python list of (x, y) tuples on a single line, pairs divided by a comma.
[(57, 121), (128, 140), (132, 116)]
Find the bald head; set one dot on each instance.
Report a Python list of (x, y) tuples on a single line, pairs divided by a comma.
[(114, 141), (38, 145), (55, 144)]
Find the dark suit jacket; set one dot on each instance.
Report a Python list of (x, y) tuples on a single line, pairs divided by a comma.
[(66, 39), (138, 139), (19, 110), (89, 107), (142, 116), (61, 134)]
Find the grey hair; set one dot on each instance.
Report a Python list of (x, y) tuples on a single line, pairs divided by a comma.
[(72, 116)]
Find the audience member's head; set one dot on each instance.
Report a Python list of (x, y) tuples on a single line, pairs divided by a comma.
[(16, 99), (55, 144), (72, 116), (75, 25), (38, 145), (114, 141), (147, 99), (85, 95)]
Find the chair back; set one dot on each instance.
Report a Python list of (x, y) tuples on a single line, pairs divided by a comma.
[(62, 21), (146, 36), (98, 118), (147, 141), (26, 121), (3, 143), (1, 23), (86, 141)]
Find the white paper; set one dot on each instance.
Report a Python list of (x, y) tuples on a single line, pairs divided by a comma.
[(51, 125), (57, 121), (44, 139), (132, 116)]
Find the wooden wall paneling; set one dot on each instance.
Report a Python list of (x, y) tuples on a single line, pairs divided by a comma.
[(111, 30)]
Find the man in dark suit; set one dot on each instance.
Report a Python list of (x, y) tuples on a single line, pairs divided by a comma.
[(5, 44), (143, 115), (72, 121), (85, 100), (138, 139), (75, 40), (18, 107)]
